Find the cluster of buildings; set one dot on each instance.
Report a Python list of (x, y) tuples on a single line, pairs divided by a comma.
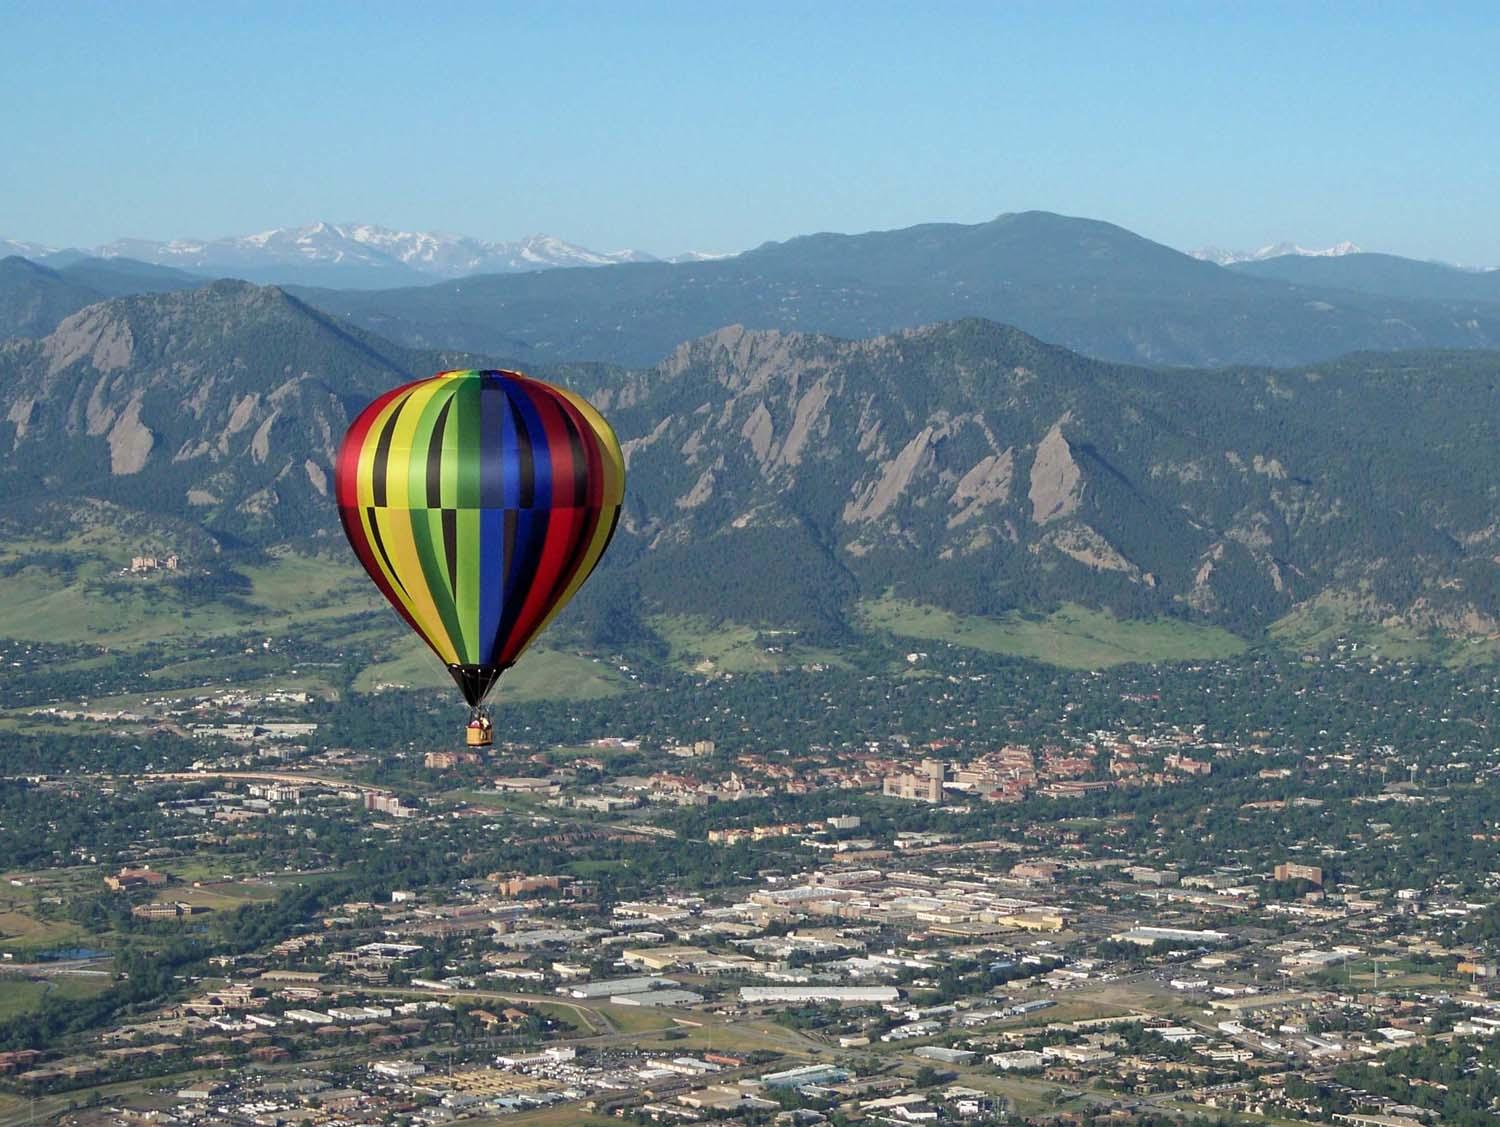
[(1009, 774), (140, 564)]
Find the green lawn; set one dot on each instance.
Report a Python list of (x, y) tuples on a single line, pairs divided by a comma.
[(19, 929), (571, 1016), (1316, 626), (1073, 637), (99, 605), (567, 1115), (704, 646), (738, 1038), (22, 995), (224, 896), (637, 1019)]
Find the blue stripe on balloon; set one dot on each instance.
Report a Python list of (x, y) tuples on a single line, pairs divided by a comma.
[(496, 441), (491, 582), (541, 455), (531, 535)]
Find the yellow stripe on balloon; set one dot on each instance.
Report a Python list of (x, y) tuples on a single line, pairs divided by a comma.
[(401, 546), (609, 447), (396, 527), (365, 476), (375, 531)]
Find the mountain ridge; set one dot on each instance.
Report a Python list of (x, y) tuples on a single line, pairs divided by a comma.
[(1385, 275), (360, 255), (783, 477), (1088, 285)]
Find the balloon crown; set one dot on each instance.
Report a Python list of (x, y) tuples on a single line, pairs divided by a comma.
[(482, 373)]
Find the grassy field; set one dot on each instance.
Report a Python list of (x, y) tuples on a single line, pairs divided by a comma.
[(222, 896), (703, 646), (1314, 627), (571, 1016), (637, 1019), (1073, 637), (311, 596), (97, 604), (20, 929), (568, 1115), (740, 1038), (22, 995)]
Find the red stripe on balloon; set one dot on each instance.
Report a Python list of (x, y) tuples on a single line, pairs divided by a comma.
[(346, 466), (594, 477), (562, 535)]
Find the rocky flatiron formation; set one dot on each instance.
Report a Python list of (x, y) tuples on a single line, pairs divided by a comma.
[(780, 477)]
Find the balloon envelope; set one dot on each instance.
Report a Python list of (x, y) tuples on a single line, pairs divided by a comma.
[(479, 502)]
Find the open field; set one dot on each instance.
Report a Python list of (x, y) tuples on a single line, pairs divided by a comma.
[(1073, 637), (17, 1110), (637, 1019), (703, 646), (19, 929), (737, 1038), (221, 897), (569, 1115), (95, 603), (22, 995), (1316, 626)]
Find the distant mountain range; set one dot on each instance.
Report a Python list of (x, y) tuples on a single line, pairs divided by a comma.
[(34, 298), (781, 477), (1087, 285), (1271, 250), (355, 255), (1382, 274)]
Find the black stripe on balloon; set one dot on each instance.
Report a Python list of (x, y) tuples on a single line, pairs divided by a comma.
[(383, 454), (580, 458), (435, 457), (450, 548), (576, 551), (614, 524), (380, 547), (509, 550), (525, 463), (507, 594), (523, 568)]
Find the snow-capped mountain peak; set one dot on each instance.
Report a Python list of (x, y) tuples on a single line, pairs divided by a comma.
[(1271, 250), (33, 251), (358, 254), (699, 256), (336, 252)]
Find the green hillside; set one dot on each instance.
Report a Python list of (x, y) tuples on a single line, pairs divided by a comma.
[(786, 491)]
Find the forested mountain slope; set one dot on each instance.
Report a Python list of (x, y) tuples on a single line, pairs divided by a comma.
[(781, 477)]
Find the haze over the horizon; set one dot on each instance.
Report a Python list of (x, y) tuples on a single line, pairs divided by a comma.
[(671, 127)]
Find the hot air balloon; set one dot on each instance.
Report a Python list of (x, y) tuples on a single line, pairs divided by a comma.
[(479, 502)]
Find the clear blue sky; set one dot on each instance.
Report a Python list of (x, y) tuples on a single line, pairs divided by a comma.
[(718, 125)]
